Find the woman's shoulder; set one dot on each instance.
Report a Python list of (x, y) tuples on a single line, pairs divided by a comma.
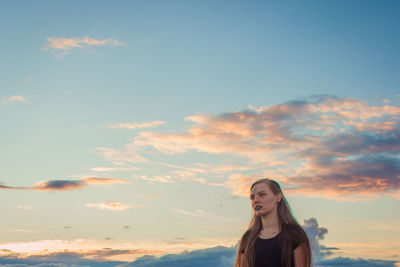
[(296, 234), (295, 230)]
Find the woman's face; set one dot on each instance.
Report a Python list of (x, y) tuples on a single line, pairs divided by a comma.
[(263, 200)]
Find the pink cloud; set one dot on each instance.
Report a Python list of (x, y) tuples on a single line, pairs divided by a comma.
[(62, 46)]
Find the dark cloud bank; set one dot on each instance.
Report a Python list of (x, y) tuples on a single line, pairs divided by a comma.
[(211, 257)]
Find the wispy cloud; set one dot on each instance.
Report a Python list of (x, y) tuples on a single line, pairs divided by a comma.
[(113, 169), (62, 46), (109, 205), (156, 178), (15, 98), (65, 185), (152, 196), (135, 125), (25, 207), (105, 181), (120, 157)]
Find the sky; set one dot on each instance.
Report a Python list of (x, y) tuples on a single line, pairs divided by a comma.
[(132, 130)]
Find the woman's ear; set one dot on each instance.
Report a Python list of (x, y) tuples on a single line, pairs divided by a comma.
[(278, 198)]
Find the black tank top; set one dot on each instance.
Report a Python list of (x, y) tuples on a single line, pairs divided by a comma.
[(268, 252)]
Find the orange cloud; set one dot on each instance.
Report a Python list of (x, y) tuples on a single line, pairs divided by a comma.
[(62, 46), (101, 181), (319, 146)]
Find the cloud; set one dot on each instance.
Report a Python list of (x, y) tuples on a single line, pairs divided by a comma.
[(25, 207), (59, 185), (62, 46), (341, 261), (240, 184), (109, 205), (225, 256), (155, 195), (113, 169), (120, 157), (104, 181), (75, 253), (369, 175), (8, 187), (315, 235), (272, 128), (322, 146), (72, 251), (65, 185), (135, 125), (16, 98), (71, 258), (218, 257), (156, 178), (106, 249)]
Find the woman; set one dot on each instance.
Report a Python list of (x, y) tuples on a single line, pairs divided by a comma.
[(274, 237)]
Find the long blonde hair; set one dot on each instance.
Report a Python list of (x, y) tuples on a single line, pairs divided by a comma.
[(291, 233)]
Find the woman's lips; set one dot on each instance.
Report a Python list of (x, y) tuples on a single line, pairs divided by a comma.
[(257, 207)]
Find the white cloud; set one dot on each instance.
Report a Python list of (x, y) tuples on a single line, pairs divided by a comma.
[(156, 178), (110, 205), (16, 98), (120, 157), (113, 169), (24, 207)]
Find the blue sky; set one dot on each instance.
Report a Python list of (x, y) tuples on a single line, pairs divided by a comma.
[(138, 125)]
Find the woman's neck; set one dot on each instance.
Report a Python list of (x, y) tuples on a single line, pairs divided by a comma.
[(270, 222)]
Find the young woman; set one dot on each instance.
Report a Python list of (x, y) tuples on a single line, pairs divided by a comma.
[(274, 237)]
